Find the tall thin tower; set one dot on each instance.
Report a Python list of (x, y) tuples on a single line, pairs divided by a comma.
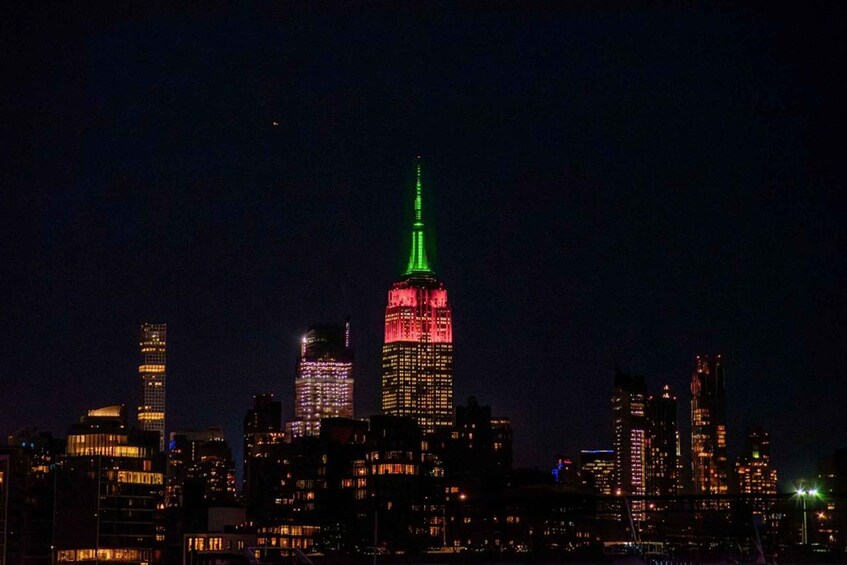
[(708, 426), (630, 433), (417, 357), (151, 373)]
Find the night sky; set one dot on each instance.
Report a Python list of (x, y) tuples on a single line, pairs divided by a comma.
[(603, 186)]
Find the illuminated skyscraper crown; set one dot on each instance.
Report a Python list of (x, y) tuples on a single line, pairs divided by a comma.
[(418, 262)]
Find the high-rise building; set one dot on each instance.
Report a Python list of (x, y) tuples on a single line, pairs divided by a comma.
[(417, 357), (151, 372), (662, 444), (262, 427), (597, 468), (756, 474), (108, 488), (630, 433), (708, 426), (264, 447), (324, 384)]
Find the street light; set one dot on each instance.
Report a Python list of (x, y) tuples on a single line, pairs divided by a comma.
[(803, 494)]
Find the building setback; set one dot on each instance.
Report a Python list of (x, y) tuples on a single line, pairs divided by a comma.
[(417, 357)]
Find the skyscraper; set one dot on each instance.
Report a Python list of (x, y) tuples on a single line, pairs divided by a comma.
[(108, 487), (630, 433), (417, 357), (662, 444), (756, 474), (262, 427), (263, 444), (708, 426), (324, 384), (151, 372)]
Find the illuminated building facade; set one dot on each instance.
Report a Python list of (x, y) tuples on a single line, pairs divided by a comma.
[(417, 357), (630, 434), (151, 372), (108, 488), (597, 468), (755, 473), (324, 384), (708, 426), (662, 444)]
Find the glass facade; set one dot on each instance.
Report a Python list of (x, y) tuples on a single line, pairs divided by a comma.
[(708, 426), (324, 384), (151, 372)]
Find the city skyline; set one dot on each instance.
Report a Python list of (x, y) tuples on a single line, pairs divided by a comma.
[(605, 190), (325, 353)]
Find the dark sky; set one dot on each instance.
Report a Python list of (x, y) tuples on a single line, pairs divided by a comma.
[(604, 187)]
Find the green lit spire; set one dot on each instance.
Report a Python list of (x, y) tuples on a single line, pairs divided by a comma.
[(418, 263)]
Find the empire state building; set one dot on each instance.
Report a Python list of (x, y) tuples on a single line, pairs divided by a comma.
[(417, 357)]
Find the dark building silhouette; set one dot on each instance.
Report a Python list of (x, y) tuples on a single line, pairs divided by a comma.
[(27, 466), (201, 460), (480, 448), (262, 430), (662, 444)]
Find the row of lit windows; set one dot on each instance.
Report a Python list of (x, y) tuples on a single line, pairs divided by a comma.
[(140, 478), (290, 530), (215, 543), (393, 469), (102, 554)]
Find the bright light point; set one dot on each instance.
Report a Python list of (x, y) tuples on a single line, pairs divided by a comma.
[(275, 123), (813, 492), (801, 492)]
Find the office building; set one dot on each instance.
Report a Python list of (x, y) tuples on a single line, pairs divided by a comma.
[(108, 488), (662, 444), (630, 434), (324, 384), (262, 428), (755, 472), (597, 469), (708, 426), (417, 357), (151, 373)]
